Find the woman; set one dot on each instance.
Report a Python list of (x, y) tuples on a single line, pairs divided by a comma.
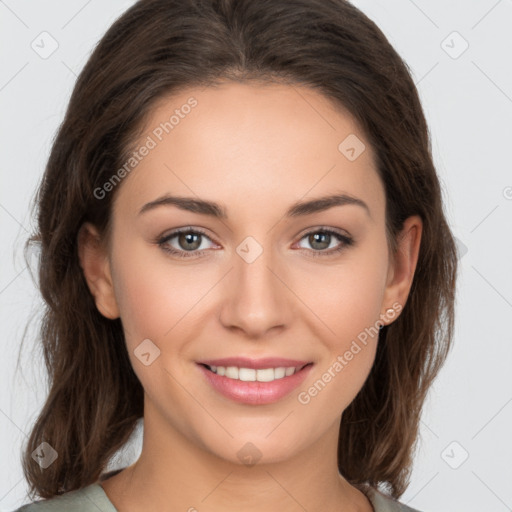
[(243, 243)]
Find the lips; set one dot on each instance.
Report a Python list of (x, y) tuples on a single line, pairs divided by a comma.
[(254, 391)]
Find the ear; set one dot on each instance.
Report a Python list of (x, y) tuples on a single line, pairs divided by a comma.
[(95, 264), (402, 267)]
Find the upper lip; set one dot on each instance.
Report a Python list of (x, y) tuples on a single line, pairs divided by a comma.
[(257, 364)]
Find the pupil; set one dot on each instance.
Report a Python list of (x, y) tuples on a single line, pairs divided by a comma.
[(314, 239), (189, 238)]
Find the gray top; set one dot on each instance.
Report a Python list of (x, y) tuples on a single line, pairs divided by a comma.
[(94, 499)]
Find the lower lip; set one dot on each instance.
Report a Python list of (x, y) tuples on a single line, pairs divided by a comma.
[(255, 393)]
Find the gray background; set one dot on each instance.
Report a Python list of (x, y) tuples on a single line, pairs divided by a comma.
[(462, 462)]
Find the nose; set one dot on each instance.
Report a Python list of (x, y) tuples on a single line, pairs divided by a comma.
[(257, 297)]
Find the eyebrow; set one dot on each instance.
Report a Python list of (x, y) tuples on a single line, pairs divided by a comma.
[(214, 209)]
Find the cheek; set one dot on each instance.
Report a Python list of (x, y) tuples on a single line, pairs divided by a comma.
[(351, 309), (156, 302), (347, 297), (152, 293), (348, 301)]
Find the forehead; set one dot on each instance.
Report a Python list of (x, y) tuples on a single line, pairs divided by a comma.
[(249, 144)]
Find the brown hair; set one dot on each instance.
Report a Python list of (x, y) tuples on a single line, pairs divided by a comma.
[(161, 46)]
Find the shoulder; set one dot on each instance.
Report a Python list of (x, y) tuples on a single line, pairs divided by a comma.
[(89, 499), (384, 503)]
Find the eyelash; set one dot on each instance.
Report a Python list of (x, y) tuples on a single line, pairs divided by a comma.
[(162, 242)]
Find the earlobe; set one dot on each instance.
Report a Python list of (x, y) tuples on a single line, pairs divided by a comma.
[(403, 265), (95, 265)]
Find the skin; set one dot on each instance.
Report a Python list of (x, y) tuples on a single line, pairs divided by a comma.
[(256, 149)]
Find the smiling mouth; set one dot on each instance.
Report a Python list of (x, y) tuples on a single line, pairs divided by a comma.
[(238, 380), (255, 375)]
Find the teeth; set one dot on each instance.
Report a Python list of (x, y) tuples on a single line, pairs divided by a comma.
[(247, 374), (253, 375), (279, 373), (232, 372)]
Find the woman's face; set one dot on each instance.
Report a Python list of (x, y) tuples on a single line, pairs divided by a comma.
[(258, 283)]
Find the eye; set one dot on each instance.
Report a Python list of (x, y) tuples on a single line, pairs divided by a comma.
[(188, 242), (324, 238)]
